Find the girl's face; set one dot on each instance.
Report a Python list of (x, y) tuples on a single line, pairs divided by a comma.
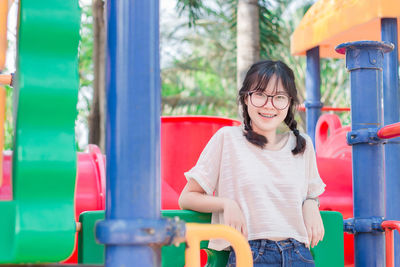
[(267, 118)]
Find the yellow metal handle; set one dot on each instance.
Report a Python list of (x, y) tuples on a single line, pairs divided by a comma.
[(196, 232)]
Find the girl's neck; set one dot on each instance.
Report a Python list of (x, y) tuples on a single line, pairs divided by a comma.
[(271, 136), (275, 140)]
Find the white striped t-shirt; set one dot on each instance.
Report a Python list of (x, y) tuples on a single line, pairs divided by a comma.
[(268, 185)]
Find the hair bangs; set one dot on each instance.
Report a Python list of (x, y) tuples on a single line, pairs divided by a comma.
[(262, 80)]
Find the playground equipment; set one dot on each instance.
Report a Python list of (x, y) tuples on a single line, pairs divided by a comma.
[(45, 160), (326, 25), (389, 226), (38, 224), (328, 253), (364, 60)]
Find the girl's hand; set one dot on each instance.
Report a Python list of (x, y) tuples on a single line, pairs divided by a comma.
[(313, 222), (233, 216)]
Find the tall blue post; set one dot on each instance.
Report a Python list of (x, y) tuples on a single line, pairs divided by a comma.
[(313, 81), (364, 60), (391, 115), (133, 135)]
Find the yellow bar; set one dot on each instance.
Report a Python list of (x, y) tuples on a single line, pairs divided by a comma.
[(5, 79), (2, 118), (3, 32), (196, 232)]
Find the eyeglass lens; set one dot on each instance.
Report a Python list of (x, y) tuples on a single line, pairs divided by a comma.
[(279, 101)]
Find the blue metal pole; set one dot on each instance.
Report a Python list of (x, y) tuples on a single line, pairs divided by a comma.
[(391, 115), (313, 81), (133, 134), (364, 60)]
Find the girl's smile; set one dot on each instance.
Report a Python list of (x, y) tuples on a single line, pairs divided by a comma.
[(267, 116)]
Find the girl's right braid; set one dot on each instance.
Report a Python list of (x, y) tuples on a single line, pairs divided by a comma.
[(292, 124), (252, 136), (246, 121)]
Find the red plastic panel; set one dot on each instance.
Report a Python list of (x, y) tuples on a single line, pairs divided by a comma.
[(91, 181), (182, 140), (5, 188), (90, 184)]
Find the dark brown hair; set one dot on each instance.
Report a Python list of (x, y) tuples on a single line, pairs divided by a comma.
[(257, 79)]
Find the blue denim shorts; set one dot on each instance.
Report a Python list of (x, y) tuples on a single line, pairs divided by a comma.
[(285, 253)]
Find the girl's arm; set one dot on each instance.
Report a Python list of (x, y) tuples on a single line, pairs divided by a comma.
[(311, 215), (313, 221), (193, 197)]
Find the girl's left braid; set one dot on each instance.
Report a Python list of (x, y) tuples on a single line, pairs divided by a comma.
[(292, 124)]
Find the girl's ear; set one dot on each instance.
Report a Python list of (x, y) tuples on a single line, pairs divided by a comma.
[(246, 100)]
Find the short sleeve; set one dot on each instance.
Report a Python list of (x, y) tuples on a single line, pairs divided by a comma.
[(206, 170), (315, 184)]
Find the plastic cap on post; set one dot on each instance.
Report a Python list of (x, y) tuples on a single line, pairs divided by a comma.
[(364, 54), (385, 46)]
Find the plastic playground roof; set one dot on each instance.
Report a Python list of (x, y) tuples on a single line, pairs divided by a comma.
[(329, 23)]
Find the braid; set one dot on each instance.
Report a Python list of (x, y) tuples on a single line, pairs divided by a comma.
[(292, 124), (252, 136), (246, 120)]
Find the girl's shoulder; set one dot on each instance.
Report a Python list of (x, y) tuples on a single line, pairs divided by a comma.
[(309, 144), (230, 130), (229, 134), (306, 136)]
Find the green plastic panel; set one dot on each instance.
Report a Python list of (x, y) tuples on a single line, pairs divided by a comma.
[(89, 251), (328, 253), (38, 225)]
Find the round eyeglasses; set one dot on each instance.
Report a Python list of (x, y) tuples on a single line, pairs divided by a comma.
[(259, 99)]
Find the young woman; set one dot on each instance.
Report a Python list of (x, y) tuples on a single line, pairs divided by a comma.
[(261, 182)]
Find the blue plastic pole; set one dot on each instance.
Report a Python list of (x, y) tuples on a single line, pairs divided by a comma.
[(313, 81), (364, 60), (391, 115), (133, 131)]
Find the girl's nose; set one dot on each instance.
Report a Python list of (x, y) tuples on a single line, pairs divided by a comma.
[(268, 104)]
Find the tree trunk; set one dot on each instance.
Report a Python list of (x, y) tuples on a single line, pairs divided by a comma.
[(248, 37), (97, 113)]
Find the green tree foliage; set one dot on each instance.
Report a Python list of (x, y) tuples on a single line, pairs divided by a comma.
[(85, 75), (211, 37), (202, 80), (8, 123)]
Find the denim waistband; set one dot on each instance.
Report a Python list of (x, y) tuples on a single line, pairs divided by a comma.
[(274, 245)]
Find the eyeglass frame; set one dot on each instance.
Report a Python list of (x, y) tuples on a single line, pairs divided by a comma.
[(272, 99)]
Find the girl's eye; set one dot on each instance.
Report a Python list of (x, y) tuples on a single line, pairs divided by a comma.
[(258, 94), (280, 97)]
